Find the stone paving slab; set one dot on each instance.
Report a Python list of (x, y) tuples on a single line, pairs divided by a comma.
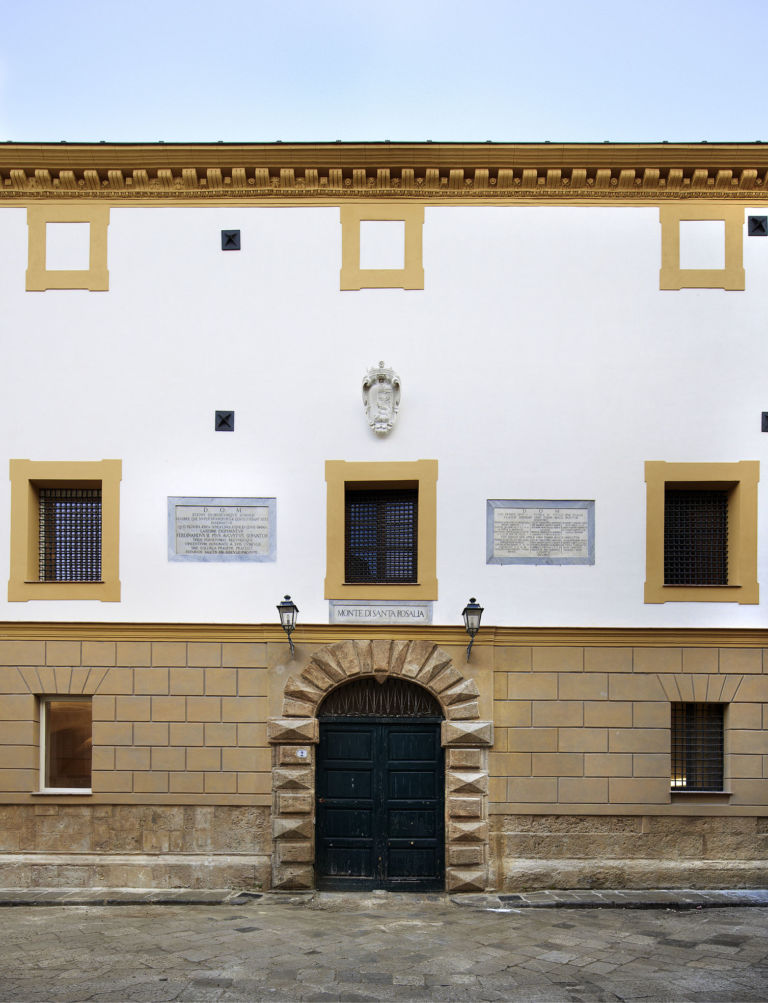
[(377, 948)]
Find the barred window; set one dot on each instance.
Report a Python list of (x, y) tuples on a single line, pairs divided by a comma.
[(381, 535), (695, 537), (70, 534), (697, 747)]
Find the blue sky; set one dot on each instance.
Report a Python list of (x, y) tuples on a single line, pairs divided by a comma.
[(508, 71)]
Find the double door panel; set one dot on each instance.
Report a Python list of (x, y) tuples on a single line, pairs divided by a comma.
[(380, 805)]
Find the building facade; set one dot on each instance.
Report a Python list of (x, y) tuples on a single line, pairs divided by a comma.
[(383, 378)]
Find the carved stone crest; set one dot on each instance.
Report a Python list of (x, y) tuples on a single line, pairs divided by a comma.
[(381, 398)]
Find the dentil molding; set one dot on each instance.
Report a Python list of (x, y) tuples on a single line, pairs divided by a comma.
[(552, 172)]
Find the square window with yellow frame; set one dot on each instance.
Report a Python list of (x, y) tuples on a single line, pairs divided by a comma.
[(381, 530), (701, 532), (65, 530)]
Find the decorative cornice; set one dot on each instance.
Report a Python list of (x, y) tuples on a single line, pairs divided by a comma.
[(329, 172), (318, 633)]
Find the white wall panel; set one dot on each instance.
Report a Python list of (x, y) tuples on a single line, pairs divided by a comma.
[(540, 361)]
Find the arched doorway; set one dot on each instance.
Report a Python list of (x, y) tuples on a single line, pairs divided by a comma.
[(380, 782), (465, 739)]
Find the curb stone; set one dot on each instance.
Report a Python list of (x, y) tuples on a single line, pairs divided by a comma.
[(658, 898)]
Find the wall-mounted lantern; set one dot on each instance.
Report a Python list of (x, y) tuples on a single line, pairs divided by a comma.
[(288, 610), (472, 614)]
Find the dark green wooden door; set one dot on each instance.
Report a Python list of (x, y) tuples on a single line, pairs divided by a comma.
[(380, 805)]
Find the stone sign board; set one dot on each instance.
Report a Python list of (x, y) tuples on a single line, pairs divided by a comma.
[(379, 612), (540, 532), (222, 529)]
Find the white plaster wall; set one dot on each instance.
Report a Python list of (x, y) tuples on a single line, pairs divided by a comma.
[(541, 361)]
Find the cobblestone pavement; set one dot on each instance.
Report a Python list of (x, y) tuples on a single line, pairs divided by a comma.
[(392, 948)]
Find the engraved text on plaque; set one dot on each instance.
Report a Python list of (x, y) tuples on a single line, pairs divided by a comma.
[(540, 532), (221, 529)]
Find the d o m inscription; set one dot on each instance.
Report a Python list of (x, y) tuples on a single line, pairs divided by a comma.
[(221, 529)]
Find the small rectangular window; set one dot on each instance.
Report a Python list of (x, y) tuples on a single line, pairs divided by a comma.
[(381, 535), (67, 740), (697, 747), (701, 532), (695, 537), (70, 534), (65, 530)]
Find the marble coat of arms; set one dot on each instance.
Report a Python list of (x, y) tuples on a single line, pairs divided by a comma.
[(381, 398)]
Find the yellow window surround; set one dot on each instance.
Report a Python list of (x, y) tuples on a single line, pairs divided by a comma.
[(340, 474), (410, 276), (96, 276), (27, 476), (672, 276), (740, 480)]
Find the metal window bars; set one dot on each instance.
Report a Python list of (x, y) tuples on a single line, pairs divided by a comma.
[(695, 537), (381, 535), (70, 534), (697, 747)]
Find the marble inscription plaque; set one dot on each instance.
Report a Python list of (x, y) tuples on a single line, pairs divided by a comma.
[(221, 529), (379, 612), (540, 532)]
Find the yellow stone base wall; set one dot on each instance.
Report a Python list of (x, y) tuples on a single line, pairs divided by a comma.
[(571, 787), (582, 728)]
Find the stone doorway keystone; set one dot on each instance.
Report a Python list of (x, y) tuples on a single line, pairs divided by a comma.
[(465, 738)]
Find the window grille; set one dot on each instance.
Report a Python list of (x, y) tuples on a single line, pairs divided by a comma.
[(381, 535), (697, 746), (371, 697), (695, 537), (70, 534)]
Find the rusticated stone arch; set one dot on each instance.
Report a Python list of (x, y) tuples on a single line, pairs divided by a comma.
[(465, 737)]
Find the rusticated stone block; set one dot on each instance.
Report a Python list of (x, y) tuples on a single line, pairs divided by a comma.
[(464, 759), (296, 779), (448, 677), (467, 782), (398, 655), (297, 852), (345, 654), (468, 711), (292, 730), (297, 708), (465, 855), (467, 831), (418, 653), (326, 661), (434, 665), (465, 807), (316, 675), (297, 827), (471, 733), (364, 655), (460, 692), (290, 754), (465, 880), (294, 804), (293, 877), (301, 689), (381, 655)]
